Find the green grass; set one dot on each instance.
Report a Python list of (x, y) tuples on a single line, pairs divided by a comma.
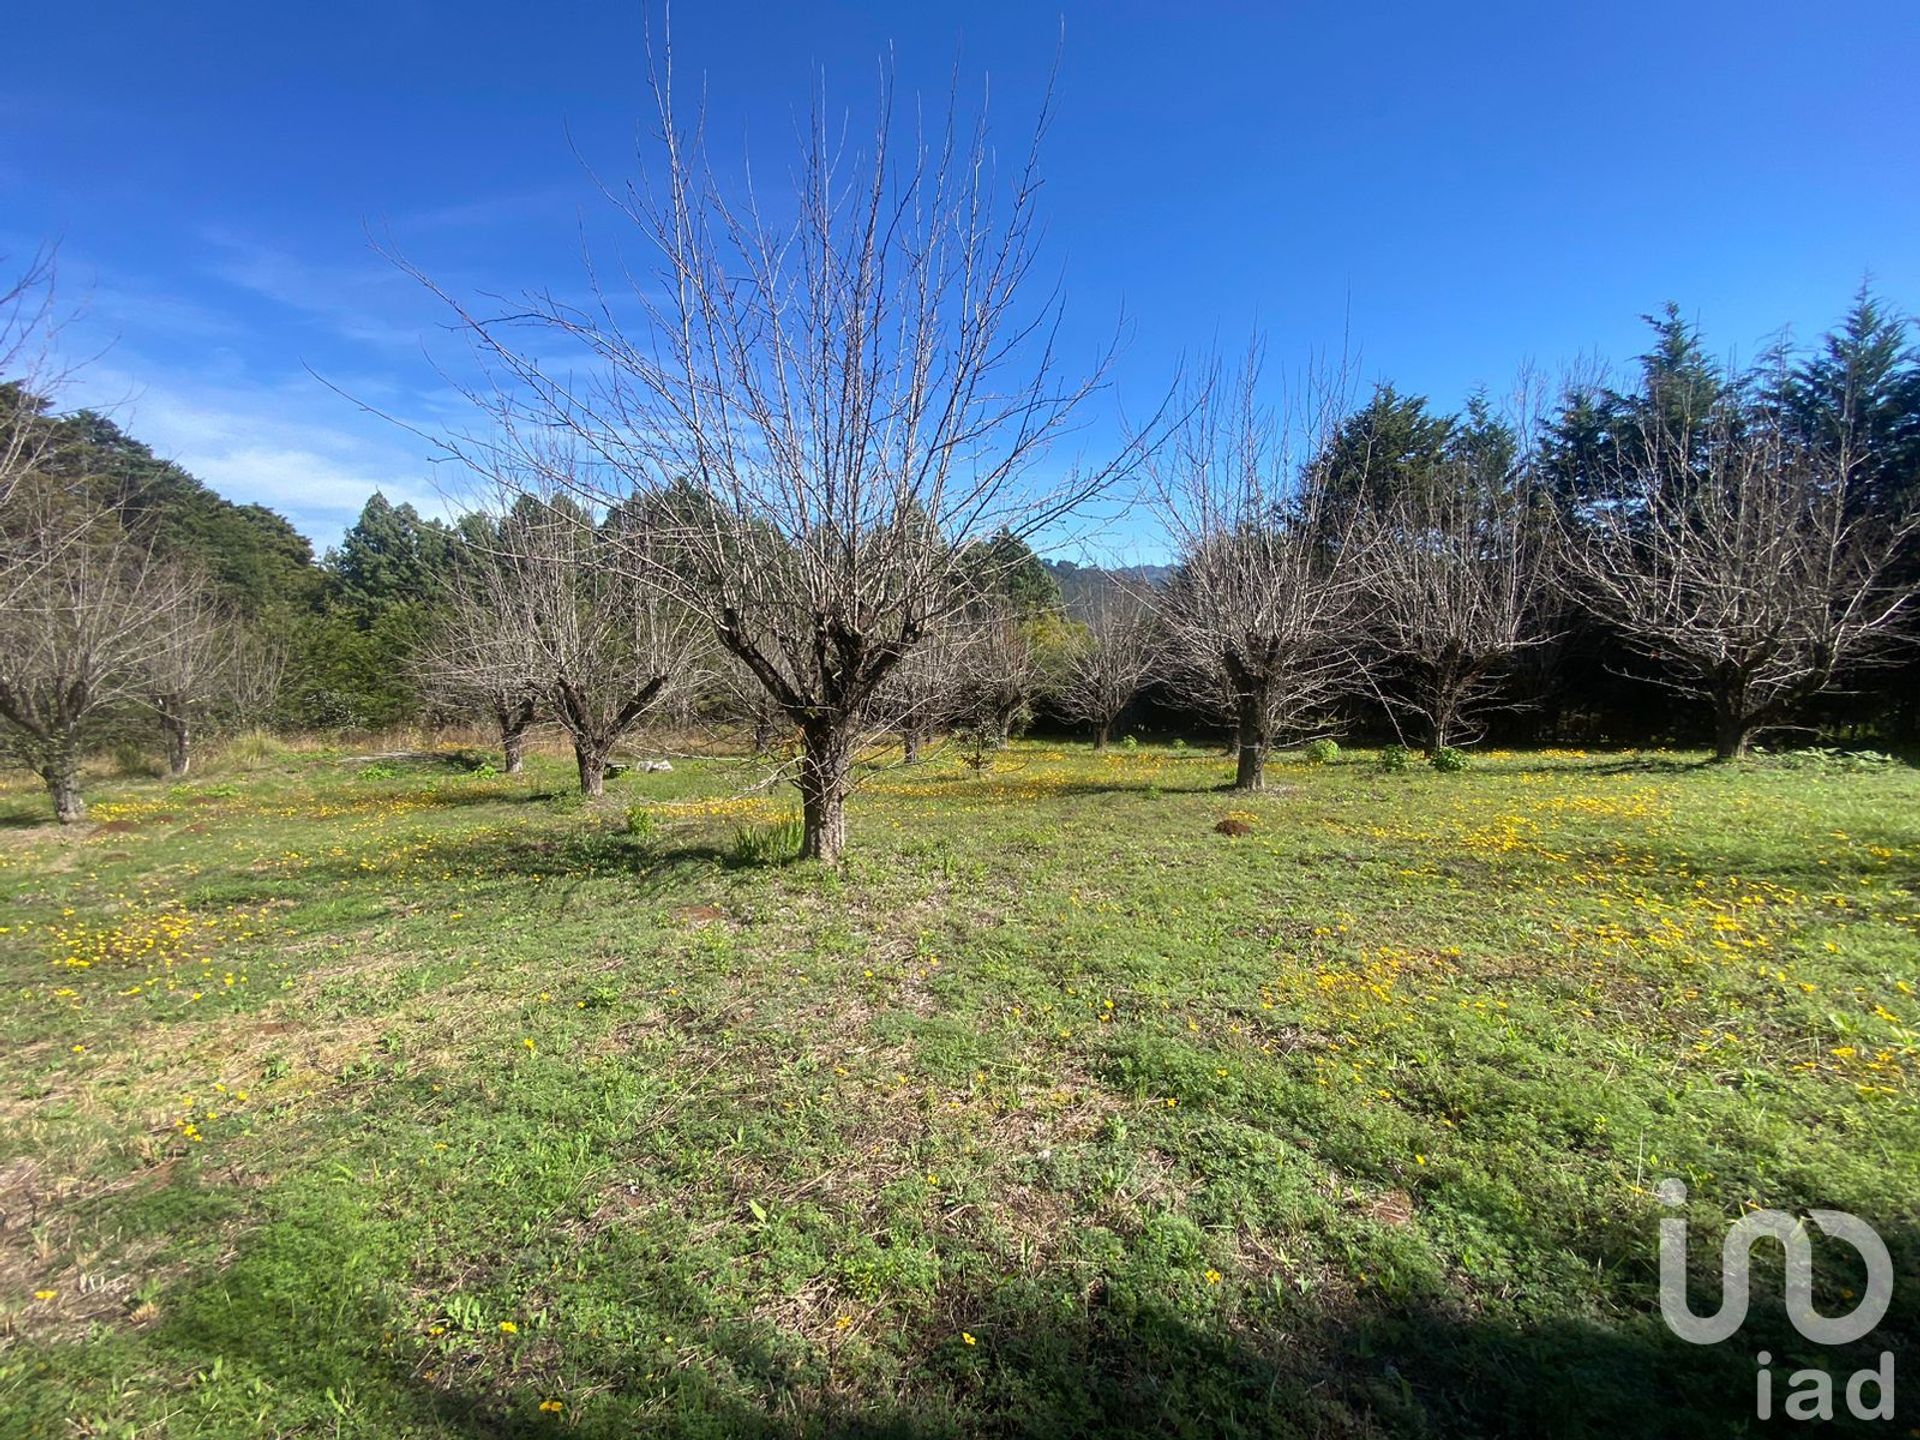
[(380, 1105)]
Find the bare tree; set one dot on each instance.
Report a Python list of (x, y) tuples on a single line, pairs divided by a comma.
[(1262, 599), (1001, 664), (255, 678), (1113, 654), (30, 376), (188, 666), (1737, 561), (1456, 572), (744, 706), (849, 387), (471, 664), (567, 611), (924, 693), (77, 637), (507, 701), (513, 713)]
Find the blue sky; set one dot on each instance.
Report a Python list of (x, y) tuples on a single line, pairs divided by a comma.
[(1452, 189)]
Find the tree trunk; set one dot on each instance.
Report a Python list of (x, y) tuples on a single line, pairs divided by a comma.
[(514, 720), (1001, 722), (63, 784), (910, 743), (826, 764), (763, 733), (1252, 772), (1100, 733), (593, 768), (179, 738), (1732, 734)]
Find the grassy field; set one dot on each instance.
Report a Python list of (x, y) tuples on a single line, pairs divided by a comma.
[(406, 1100)]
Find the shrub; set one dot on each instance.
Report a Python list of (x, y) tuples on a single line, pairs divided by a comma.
[(1395, 758), (1180, 746), (640, 823), (251, 748), (773, 844), (132, 762), (1129, 743), (1321, 752), (378, 770), (1448, 761)]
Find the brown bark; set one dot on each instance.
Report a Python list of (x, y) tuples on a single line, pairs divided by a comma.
[(593, 768), (515, 719), (593, 741), (63, 785), (826, 766), (1732, 736), (1252, 770), (179, 738)]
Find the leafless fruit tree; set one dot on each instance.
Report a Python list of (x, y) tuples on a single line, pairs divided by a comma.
[(254, 676), (30, 376), (513, 713), (189, 667), (1738, 563), (77, 637), (1456, 573), (562, 609), (851, 385), (471, 664), (925, 692), (1110, 657), (1262, 600), (1001, 659)]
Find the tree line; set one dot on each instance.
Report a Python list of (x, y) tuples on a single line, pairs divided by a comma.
[(796, 494)]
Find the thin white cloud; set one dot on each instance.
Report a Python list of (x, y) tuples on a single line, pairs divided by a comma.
[(313, 485), (488, 210), (354, 301), (135, 310), (295, 447)]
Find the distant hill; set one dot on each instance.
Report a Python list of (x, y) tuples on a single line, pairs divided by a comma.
[(1076, 581)]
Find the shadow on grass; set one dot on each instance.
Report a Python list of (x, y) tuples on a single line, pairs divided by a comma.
[(26, 815), (302, 1320), (1044, 1363), (1625, 765), (588, 854), (561, 862)]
